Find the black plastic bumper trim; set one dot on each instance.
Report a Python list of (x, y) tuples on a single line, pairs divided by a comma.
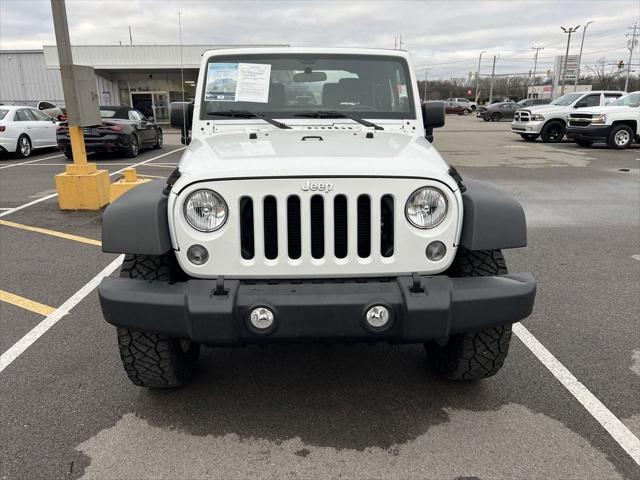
[(315, 311)]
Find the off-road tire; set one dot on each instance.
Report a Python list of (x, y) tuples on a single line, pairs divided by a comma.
[(584, 143), (620, 137), (149, 359), (553, 132), (529, 137), (133, 149), (474, 355)]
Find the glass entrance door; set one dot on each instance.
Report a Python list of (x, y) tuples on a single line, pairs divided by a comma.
[(161, 107), (152, 105)]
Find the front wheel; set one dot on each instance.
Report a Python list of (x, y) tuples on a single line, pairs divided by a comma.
[(496, 117), (529, 137), (473, 355), (620, 137), (553, 132), (149, 359), (134, 147), (158, 143), (466, 112)]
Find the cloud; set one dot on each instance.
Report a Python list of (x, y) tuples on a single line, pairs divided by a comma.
[(446, 36)]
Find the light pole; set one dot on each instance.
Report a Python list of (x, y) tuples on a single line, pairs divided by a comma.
[(633, 42), (478, 74), (535, 64), (569, 30), (493, 71), (584, 31)]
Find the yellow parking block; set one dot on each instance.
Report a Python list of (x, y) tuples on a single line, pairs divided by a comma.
[(32, 306), (122, 186), (53, 233)]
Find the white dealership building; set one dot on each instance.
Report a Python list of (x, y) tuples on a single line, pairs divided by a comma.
[(146, 77)]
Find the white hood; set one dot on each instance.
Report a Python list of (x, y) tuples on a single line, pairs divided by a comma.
[(542, 109), (301, 152)]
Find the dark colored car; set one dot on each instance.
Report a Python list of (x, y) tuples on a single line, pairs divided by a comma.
[(532, 102), (458, 108), (123, 129), (497, 111)]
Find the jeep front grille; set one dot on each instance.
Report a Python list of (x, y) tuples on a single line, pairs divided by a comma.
[(317, 214)]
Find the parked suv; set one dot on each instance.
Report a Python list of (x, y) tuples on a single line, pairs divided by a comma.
[(337, 221), (615, 124), (549, 122), (465, 102)]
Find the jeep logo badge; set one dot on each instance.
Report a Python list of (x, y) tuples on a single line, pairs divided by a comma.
[(316, 187)]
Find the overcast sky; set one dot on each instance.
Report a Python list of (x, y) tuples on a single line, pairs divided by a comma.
[(446, 36)]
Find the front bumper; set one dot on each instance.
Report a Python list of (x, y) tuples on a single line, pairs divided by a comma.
[(533, 128), (593, 133), (322, 310)]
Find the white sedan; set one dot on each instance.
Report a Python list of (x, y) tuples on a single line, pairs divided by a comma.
[(23, 129)]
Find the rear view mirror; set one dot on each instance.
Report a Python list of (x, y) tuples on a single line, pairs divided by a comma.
[(309, 77), (181, 116), (432, 117)]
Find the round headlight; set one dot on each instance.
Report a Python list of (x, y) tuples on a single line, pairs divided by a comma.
[(205, 210), (426, 207)]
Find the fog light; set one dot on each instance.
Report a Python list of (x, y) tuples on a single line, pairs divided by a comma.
[(436, 251), (261, 318), (197, 254), (378, 316)]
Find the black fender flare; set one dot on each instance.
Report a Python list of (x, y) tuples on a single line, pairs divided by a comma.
[(137, 222), (492, 219)]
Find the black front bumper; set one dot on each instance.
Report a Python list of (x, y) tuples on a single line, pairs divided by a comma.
[(329, 310), (588, 133)]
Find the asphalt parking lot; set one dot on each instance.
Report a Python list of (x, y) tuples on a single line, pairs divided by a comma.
[(335, 411)]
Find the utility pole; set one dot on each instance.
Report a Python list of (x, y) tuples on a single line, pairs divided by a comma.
[(426, 74), (584, 31), (400, 42), (535, 64), (493, 72), (633, 41), (478, 74), (570, 30), (130, 36)]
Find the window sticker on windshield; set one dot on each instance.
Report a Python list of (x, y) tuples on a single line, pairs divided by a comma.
[(222, 79), (238, 82)]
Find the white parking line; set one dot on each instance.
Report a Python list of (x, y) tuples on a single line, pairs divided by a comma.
[(42, 199), (36, 332), (618, 430), (30, 161), (636, 257)]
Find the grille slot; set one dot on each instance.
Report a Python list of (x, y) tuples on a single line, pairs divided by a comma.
[(387, 226), (247, 246), (270, 228), (294, 240), (340, 225), (364, 226), (317, 226)]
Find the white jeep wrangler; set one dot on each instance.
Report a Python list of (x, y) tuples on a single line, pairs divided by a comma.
[(549, 122), (616, 124), (310, 205)]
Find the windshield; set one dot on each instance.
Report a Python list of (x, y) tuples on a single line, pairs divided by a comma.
[(566, 100), (3, 113), (631, 100), (283, 85)]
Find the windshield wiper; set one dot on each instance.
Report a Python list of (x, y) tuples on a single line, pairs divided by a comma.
[(248, 114), (333, 114)]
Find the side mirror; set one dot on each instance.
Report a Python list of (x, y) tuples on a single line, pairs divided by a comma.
[(432, 117), (181, 116)]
